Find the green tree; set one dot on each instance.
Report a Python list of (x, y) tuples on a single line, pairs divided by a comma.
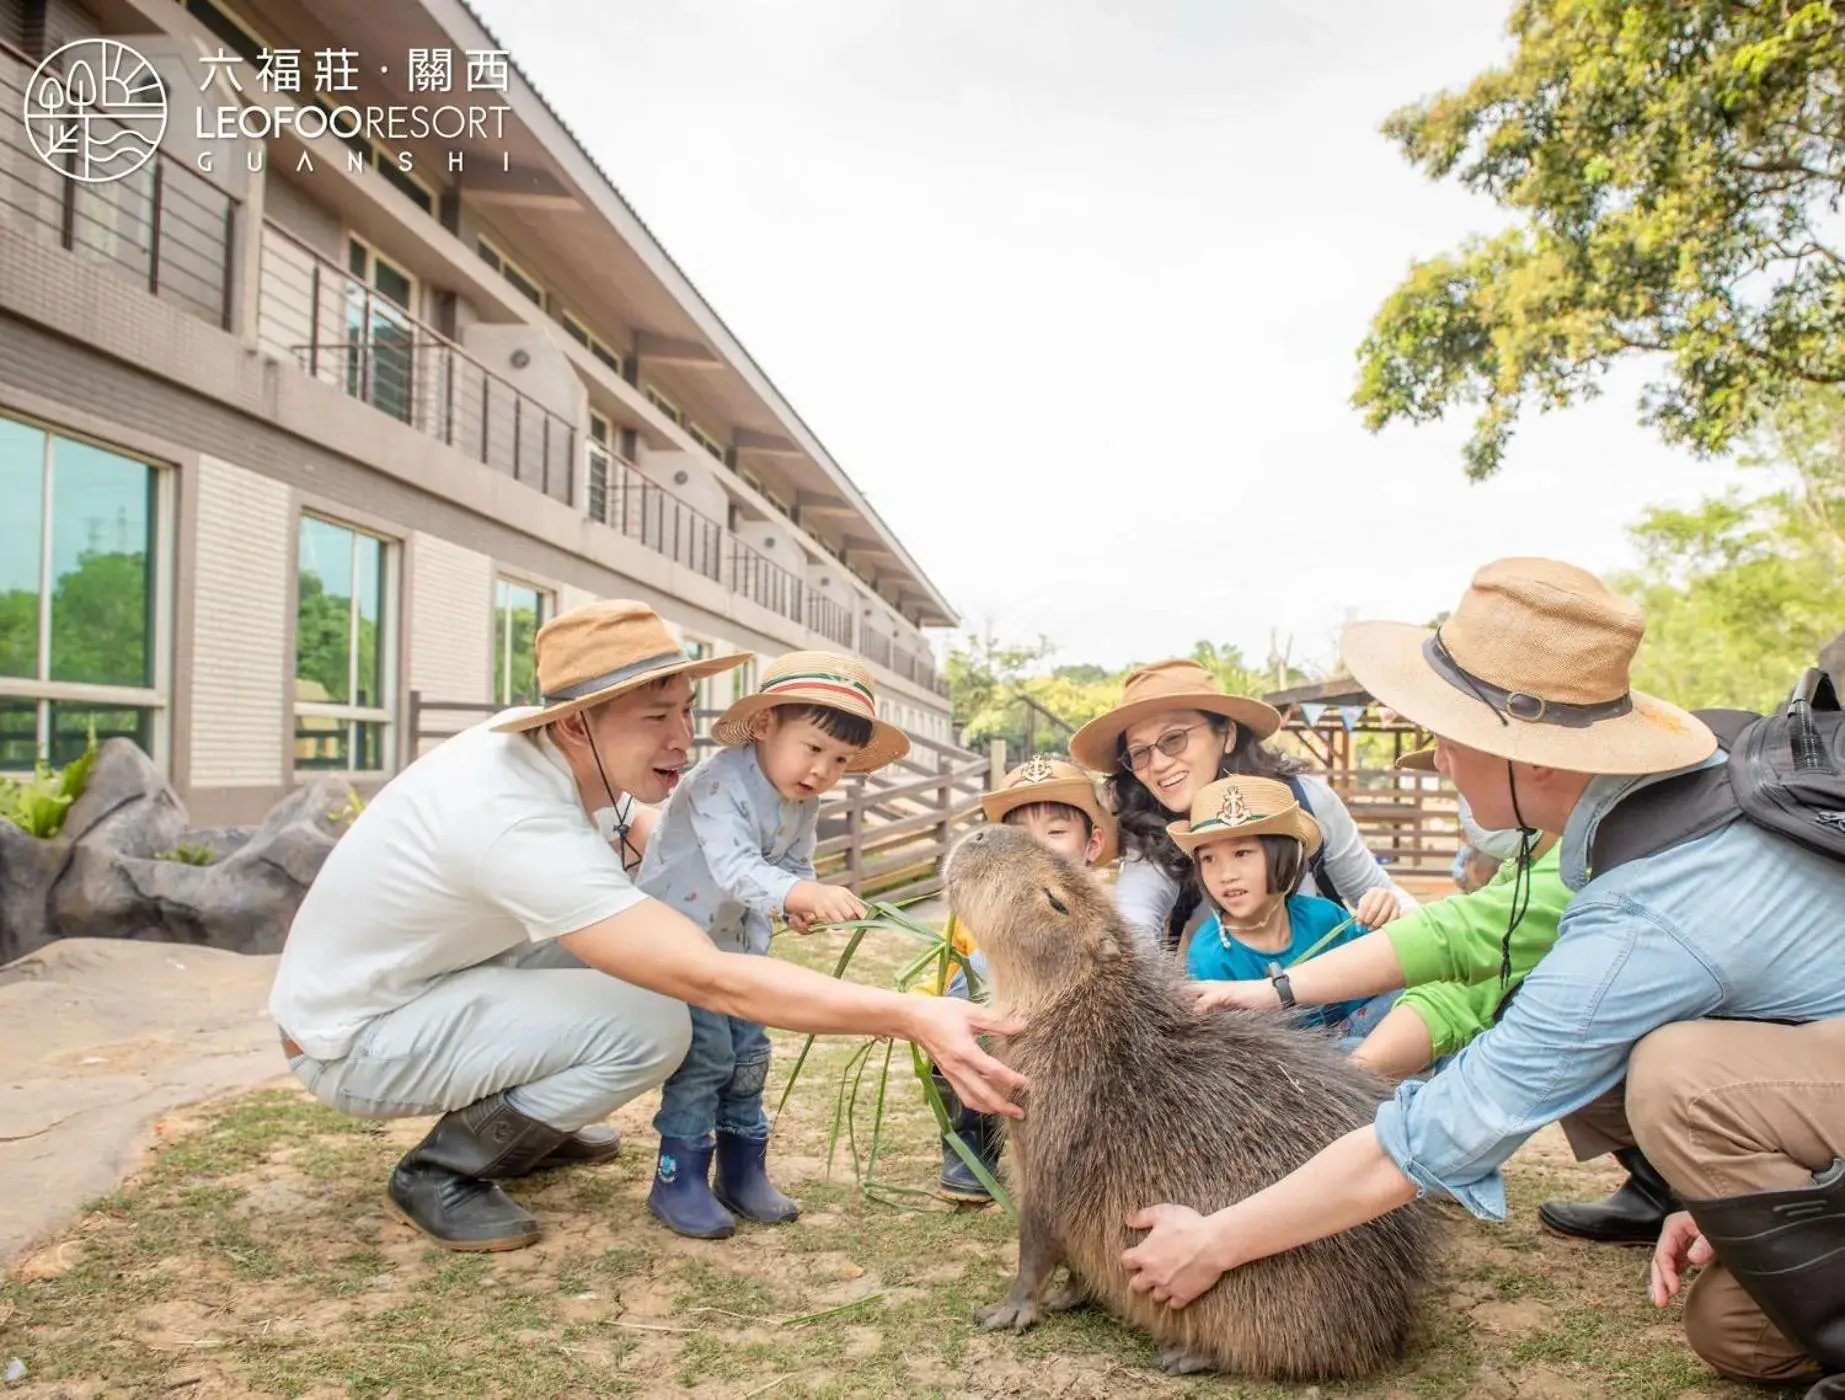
[(1741, 593), (99, 621), (323, 645), (1675, 167)]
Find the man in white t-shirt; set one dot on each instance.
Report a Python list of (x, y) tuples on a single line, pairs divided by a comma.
[(474, 946)]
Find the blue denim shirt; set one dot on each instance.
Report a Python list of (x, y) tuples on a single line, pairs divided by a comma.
[(729, 849), (1738, 924)]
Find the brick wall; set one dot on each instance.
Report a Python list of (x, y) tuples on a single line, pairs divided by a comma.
[(240, 615)]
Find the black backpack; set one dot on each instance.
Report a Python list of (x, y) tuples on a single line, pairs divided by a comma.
[(1785, 773)]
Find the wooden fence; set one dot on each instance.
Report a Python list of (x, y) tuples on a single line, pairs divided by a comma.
[(882, 833), (1410, 822)]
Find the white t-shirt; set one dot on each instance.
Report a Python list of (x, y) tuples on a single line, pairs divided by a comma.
[(476, 849)]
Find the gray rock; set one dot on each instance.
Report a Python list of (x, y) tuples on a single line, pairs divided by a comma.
[(243, 902), (127, 806), (28, 866)]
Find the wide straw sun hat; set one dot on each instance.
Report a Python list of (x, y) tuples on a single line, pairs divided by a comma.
[(601, 650), (1417, 760), (1240, 806), (1532, 666), (1046, 779), (1166, 685), (818, 678)]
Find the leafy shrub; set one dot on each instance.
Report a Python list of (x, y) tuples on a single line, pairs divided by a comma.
[(37, 805)]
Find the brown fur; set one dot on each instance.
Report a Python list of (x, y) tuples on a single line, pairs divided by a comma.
[(1137, 1100)]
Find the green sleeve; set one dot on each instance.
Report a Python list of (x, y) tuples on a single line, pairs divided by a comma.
[(1454, 1012), (1458, 938)]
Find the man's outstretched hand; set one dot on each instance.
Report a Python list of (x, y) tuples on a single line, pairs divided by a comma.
[(946, 1028)]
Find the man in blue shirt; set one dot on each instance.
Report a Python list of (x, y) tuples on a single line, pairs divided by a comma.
[(1710, 975)]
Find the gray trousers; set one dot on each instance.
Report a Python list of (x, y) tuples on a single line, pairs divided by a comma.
[(569, 1044)]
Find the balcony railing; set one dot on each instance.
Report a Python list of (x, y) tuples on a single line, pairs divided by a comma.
[(163, 226), (347, 334), (624, 500), (829, 619), (875, 646), (771, 585)]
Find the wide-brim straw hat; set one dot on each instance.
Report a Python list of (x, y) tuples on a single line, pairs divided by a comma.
[(601, 650), (1166, 685), (1046, 779), (1417, 760), (1532, 666), (1240, 806), (818, 678)]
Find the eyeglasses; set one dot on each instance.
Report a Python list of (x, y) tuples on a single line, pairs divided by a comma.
[(1171, 743)]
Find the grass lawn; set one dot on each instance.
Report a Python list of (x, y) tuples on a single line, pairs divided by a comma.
[(251, 1256)]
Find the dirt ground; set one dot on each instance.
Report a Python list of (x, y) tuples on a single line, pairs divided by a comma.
[(250, 1255)]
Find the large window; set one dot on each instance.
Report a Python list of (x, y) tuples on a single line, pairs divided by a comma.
[(80, 597), (344, 648), (519, 610)]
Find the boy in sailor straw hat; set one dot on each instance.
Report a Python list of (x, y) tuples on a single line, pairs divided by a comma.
[(735, 850), (1251, 841), (1055, 802)]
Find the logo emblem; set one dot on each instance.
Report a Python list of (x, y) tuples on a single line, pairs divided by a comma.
[(1037, 770), (95, 111), (1235, 811)]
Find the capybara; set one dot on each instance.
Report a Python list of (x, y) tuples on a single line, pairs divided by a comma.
[(1136, 1099)]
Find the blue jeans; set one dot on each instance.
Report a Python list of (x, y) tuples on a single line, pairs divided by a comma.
[(719, 1083)]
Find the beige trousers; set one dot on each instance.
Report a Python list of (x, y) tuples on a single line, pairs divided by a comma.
[(1725, 1108)]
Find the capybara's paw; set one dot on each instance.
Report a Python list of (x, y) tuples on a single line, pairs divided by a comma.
[(1018, 1316), (1180, 1361), (1065, 1297)]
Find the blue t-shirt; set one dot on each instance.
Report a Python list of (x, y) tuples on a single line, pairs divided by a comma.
[(1218, 956)]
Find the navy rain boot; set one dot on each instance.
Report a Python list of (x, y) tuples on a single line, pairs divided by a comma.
[(681, 1198), (744, 1185), (981, 1133)]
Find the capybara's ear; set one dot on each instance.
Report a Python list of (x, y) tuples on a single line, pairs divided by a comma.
[(1106, 948)]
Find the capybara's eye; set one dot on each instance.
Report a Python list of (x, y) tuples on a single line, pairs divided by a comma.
[(1056, 903)]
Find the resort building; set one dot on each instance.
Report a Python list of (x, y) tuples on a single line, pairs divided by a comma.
[(332, 364)]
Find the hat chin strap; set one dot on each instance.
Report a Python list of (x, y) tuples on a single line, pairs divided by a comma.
[(1521, 888), (623, 818)]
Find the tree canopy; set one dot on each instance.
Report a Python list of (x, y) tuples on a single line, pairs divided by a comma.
[(1675, 168), (1742, 592)]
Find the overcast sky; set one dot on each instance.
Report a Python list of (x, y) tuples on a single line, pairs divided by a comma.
[(1073, 290)]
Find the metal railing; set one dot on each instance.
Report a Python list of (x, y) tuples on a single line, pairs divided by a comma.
[(163, 226), (347, 334), (621, 498), (831, 620), (875, 646), (771, 585)]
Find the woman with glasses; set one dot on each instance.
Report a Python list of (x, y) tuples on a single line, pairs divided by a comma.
[(1176, 731)]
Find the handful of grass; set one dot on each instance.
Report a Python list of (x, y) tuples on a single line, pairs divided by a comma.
[(937, 958)]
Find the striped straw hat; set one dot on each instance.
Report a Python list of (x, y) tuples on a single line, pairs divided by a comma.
[(818, 678)]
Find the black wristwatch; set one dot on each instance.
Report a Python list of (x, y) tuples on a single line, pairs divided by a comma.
[(1283, 990)]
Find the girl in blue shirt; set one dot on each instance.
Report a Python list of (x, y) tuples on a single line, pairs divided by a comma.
[(1251, 841)]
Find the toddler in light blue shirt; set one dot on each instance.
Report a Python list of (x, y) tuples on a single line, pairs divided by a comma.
[(735, 851)]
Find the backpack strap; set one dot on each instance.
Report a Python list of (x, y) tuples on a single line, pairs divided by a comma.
[(1316, 863), (1676, 810)]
